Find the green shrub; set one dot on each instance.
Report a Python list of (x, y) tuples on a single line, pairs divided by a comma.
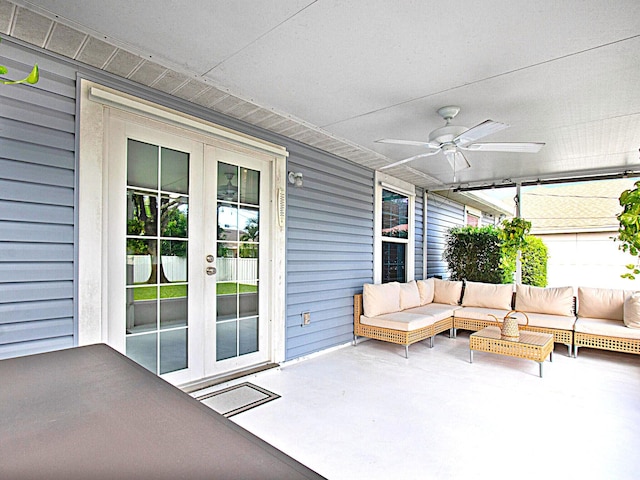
[(478, 254), (473, 253), (534, 263)]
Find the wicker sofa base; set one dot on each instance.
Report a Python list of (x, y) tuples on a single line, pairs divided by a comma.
[(399, 337), (616, 344), (559, 336)]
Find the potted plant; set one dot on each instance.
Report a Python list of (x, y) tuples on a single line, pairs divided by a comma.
[(513, 236), (32, 78), (629, 231)]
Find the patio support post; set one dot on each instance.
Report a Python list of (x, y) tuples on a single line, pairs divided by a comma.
[(518, 199)]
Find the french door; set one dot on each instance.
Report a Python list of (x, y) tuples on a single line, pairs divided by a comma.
[(188, 242)]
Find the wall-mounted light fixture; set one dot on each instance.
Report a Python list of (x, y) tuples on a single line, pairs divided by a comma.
[(295, 179)]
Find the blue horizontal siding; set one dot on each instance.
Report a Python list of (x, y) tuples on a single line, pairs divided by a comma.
[(442, 215), (329, 250), (37, 208)]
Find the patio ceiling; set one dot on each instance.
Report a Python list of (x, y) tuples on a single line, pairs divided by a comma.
[(340, 75)]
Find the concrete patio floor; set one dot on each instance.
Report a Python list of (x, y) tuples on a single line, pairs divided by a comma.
[(367, 412)]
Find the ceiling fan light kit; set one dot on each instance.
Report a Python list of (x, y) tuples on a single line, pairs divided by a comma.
[(451, 139)]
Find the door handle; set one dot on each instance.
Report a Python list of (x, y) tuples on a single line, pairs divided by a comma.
[(209, 258), (211, 270)]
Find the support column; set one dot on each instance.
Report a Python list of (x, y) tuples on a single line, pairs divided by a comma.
[(518, 200)]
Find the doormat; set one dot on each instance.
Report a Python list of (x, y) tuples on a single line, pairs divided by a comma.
[(237, 399)]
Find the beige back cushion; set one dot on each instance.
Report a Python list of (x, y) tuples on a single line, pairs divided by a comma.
[(487, 295), (409, 295), (553, 301), (631, 315), (380, 299), (425, 287), (601, 303), (446, 291)]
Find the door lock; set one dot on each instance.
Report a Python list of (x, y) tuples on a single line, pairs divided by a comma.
[(211, 270)]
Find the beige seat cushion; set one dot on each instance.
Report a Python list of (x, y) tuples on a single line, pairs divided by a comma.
[(426, 289), (487, 295), (606, 328), (437, 310), (380, 299), (484, 314), (631, 313), (447, 291), (409, 295), (403, 321), (601, 302), (545, 320), (552, 301)]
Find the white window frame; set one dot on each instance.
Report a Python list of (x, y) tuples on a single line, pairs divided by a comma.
[(387, 182)]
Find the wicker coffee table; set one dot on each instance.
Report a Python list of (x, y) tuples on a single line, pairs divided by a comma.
[(532, 345)]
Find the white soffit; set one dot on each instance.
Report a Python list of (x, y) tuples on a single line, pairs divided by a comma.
[(341, 75)]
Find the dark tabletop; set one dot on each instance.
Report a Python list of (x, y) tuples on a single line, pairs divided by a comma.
[(91, 413)]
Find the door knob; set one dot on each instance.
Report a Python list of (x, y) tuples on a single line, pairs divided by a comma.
[(209, 258), (211, 270)]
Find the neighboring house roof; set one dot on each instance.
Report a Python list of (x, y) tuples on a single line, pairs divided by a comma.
[(576, 207)]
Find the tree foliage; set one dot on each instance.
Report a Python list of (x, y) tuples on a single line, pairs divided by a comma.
[(486, 254)]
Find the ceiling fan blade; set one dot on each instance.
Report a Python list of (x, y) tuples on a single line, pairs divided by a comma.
[(479, 131), (516, 147), (403, 142), (415, 157), (457, 160)]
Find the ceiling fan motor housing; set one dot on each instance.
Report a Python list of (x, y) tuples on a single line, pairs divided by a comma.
[(446, 134)]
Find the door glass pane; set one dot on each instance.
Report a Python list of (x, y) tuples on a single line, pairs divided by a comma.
[(249, 186), (395, 215), (227, 222), (142, 164), (227, 182), (142, 213), (226, 340), (248, 335), (143, 349), (175, 171), (142, 306), (173, 306), (157, 246), (238, 248), (173, 350), (393, 262)]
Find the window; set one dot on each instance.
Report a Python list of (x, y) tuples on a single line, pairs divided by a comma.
[(395, 233), (394, 242), (472, 217)]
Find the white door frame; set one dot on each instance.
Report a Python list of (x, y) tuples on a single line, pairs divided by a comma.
[(96, 104)]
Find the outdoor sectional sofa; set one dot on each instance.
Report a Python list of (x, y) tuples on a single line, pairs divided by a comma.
[(406, 313)]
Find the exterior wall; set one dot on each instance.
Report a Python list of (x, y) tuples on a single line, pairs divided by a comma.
[(442, 215), (419, 234), (586, 260), (329, 220), (329, 250), (329, 225), (37, 207)]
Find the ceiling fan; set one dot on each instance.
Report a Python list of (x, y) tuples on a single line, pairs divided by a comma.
[(452, 139)]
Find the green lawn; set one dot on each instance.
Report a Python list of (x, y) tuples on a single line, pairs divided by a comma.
[(176, 291)]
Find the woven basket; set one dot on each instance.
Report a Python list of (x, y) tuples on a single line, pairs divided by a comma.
[(510, 330)]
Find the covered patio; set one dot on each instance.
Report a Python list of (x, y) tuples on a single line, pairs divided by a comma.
[(367, 412), (321, 83)]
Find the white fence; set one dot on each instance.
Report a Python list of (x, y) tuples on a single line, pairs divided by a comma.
[(244, 270)]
